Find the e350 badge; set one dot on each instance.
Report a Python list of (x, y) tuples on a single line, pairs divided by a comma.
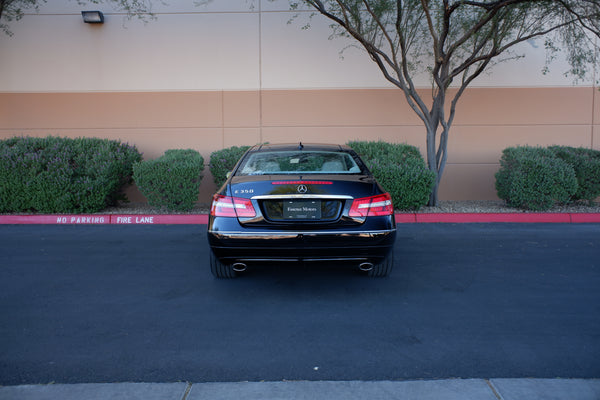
[(243, 191)]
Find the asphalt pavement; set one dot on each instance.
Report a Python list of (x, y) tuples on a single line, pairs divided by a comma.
[(471, 312)]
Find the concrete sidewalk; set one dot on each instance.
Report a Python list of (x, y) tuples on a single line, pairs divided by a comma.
[(451, 389)]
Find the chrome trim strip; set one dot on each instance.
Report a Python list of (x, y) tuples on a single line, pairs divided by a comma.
[(296, 259), (296, 233), (322, 259), (302, 196)]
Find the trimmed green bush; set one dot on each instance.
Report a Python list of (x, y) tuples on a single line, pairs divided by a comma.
[(409, 183), (534, 178), (61, 175), (400, 170), (171, 181), (380, 150), (223, 161), (586, 164)]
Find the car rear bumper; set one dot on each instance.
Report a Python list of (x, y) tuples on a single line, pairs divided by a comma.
[(351, 245)]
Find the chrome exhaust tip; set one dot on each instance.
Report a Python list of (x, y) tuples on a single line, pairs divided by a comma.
[(239, 267), (366, 266)]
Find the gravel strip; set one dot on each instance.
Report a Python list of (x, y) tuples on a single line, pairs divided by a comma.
[(498, 206)]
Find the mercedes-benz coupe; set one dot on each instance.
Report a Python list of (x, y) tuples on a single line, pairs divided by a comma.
[(301, 203)]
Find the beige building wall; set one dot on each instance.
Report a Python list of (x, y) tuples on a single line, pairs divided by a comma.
[(236, 73)]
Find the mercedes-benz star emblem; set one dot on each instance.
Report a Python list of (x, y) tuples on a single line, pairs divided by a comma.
[(302, 189)]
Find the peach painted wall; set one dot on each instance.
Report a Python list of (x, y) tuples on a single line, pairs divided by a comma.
[(488, 120)]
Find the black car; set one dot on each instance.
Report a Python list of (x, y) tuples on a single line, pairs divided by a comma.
[(295, 202)]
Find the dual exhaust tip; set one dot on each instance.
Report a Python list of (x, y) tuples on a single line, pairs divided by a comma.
[(241, 267), (366, 266)]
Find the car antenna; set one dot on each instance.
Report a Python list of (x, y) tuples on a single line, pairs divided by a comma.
[(300, 146)]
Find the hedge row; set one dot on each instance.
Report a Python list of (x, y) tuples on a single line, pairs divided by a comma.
[(86, 175), (586, 165), (536, 178), (171, 181), (223, 161), (400, 170), (60, 175)]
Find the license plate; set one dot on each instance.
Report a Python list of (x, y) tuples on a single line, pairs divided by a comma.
[(302, 209)]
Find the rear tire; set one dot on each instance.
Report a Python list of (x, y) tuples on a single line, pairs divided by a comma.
[(384, 268), (221, 270)]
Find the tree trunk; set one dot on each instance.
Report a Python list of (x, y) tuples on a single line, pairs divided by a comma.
[(432, 163), (433, 198)]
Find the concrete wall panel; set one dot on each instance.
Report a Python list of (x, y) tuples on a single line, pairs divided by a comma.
[(241, 137), (60, 53), (157, 7), (293, 58), (281, 6), (596, 115), (474, 144), (241, 109), (520, 106), (110, 110), (469, 182), (222, 45), (337, 108), (342, 135)]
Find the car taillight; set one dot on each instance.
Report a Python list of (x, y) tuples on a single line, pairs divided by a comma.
[(226, 206), (372, 206)]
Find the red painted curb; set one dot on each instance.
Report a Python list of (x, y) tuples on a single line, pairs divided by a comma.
[(137, 219), (495, 217), (585, 217), (55, 219), (406, 218), (133, 219), (202, 219)]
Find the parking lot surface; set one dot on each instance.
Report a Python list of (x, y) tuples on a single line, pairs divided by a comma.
[(98, 304)]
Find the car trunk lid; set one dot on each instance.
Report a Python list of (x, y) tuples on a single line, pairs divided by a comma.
[(296, 199)]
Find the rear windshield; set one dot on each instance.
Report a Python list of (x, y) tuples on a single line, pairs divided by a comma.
[(292, 162)]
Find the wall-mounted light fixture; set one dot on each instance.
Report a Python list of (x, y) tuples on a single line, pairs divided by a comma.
[(92, 17)]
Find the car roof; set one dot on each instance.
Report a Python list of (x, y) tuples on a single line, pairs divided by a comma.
[(299, 146)]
